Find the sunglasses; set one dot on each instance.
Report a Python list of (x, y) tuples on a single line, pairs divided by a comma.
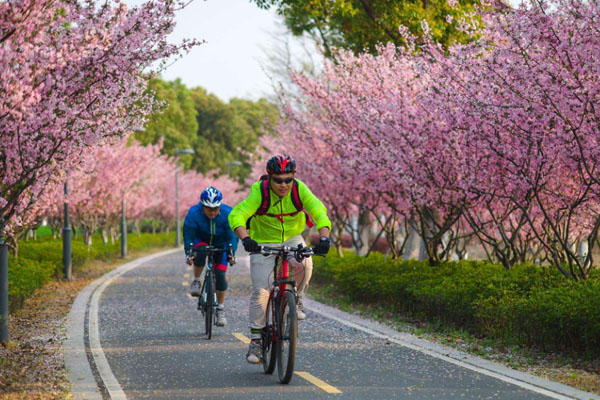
[(212, 208), (279, 181)]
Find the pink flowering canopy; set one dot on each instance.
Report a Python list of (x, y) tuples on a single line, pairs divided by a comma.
[(496, 138), (71, 78), (138, 177)]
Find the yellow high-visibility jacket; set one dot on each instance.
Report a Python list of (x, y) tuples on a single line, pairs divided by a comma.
[(269, 229)]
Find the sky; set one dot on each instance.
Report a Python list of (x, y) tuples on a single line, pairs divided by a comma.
[(230, 63), (234, 59)]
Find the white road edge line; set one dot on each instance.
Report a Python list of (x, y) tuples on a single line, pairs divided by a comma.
[(527, 381), (79, 371)]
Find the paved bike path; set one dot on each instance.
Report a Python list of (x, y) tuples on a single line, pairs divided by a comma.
[(152, 338)]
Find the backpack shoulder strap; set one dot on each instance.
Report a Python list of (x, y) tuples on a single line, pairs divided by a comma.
[(296, 201), (266, 203), (265, 196), (298, 204)]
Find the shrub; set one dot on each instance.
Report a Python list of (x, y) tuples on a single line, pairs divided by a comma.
[(41, 260), (529, 304), (24, 276)]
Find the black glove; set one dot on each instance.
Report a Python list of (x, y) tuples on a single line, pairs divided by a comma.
[(250, 245), (323, 246)]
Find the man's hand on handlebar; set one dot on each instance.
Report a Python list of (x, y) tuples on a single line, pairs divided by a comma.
[(189, 260), (231, 259), (323, 246), (250, 245)]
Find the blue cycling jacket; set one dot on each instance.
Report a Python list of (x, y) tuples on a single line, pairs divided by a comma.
[(197, 227)]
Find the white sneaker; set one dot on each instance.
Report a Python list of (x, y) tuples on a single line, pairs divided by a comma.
[(221, 320), (195, 287), (254, 355), (300, 313)]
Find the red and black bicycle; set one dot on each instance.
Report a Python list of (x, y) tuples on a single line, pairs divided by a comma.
[(281, 329)]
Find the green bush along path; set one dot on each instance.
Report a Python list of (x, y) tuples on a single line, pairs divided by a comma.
[(529, 305), (40, 260)]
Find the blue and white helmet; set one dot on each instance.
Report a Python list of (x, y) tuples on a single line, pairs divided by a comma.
[(211, 197)]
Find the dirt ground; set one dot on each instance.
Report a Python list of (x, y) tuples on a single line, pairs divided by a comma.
[(31, 364)]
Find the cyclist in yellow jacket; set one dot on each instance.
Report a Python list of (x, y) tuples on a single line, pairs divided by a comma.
[(275, 219)]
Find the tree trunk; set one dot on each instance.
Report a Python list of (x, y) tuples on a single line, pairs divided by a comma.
[(338, 236), (13, 244), (415, 248), (104, 235), (87, 237), (364, 230)]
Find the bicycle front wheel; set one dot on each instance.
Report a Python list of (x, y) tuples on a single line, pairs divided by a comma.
[(210, 306), (268, 345), (287, 334)]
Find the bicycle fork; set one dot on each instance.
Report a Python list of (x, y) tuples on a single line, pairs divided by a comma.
[(203, 300)]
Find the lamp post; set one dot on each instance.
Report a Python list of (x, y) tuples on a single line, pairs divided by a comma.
[(66, 234), (230, 163), (177, 222), (123, 228)]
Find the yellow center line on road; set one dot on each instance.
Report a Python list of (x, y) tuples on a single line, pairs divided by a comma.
[(326, 387), (190, 296), (241, 337), (186, 276), (184, 283), (318, 383)]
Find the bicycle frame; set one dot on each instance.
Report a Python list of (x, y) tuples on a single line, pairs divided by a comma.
[(281, 325), (203, 301), (208, 274), (280, 285)]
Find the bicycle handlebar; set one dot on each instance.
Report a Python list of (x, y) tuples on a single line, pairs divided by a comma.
[(213, 249), (299, 252)]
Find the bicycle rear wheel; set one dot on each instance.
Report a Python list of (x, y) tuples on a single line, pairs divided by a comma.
[(210, 306), (268, 345), (287, 335)]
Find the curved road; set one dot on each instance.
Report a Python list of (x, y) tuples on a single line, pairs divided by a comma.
[(148, 344)]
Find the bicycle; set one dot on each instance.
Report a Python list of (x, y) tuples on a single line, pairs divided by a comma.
[(207, 301), (281, 326)]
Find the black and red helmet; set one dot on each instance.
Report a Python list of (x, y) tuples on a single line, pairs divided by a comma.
[(281, 164)]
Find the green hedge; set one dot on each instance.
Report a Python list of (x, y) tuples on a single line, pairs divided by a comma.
[(40, 260), (530, 304)]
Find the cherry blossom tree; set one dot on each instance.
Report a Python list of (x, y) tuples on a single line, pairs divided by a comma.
[(496, 138), (138, 177), (70, 79), (525, 96), (396, 153)]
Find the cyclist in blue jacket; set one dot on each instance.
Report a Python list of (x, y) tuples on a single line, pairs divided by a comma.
[(207, 223)]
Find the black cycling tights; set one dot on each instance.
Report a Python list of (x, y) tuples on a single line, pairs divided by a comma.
[(221, 281)]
